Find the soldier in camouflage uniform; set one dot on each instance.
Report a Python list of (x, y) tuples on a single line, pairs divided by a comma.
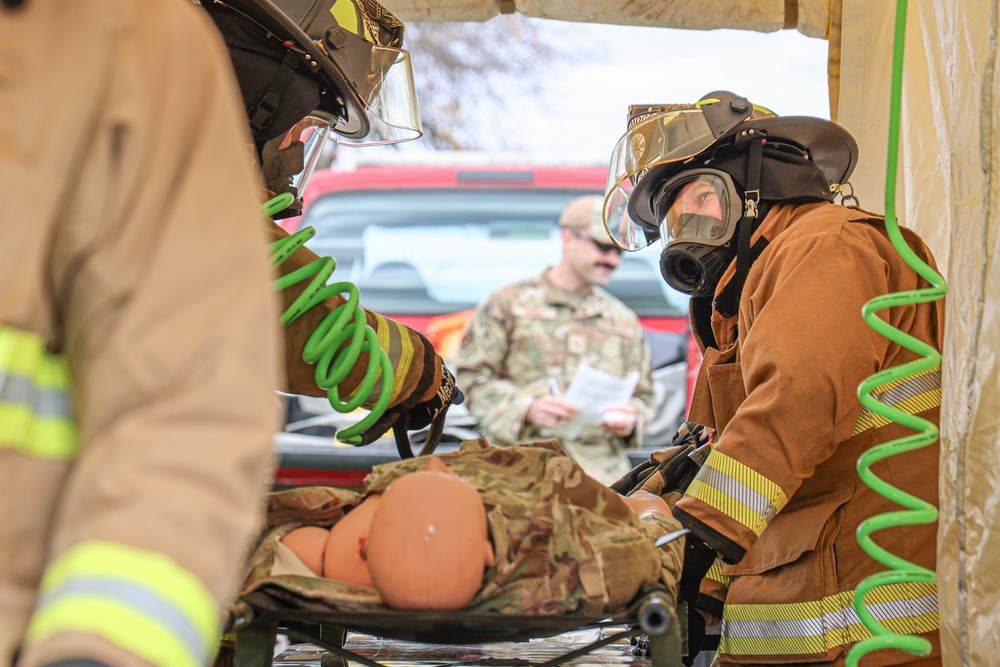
[(563, 543), (529, 335)]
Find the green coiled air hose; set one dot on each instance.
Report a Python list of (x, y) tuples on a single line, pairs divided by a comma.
[(346, 322), (916, 510)]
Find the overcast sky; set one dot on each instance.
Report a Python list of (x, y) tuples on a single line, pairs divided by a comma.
[(784, 71), (581, 112)]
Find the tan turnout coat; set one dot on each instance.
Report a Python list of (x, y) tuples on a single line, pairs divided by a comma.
[(134, 248), (779, 497)]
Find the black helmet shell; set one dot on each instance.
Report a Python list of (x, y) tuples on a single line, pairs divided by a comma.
[(829, 146), (336, 95)]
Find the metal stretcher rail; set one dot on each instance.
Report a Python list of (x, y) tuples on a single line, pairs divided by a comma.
[(260, 616)]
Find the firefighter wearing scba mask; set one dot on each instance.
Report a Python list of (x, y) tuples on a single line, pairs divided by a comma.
[(312, 71), (742, 201)]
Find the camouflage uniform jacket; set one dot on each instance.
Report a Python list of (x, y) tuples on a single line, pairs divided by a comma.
[(564, 543), (527, 333)]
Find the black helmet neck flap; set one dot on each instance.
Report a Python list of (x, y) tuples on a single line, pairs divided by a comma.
[(335, 70)]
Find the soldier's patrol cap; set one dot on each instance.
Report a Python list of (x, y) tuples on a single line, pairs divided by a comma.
[(584, 214)]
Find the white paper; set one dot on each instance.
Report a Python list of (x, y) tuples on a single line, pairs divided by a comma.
[(593, 391)]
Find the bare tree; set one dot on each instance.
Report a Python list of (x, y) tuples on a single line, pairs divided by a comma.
[(477, 81)]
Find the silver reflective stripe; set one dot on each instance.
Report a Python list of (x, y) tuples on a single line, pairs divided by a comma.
[(48, 403), (913, 394), (740, 492), (812, 627), (142, 600), (16, 388), (803, 628), (912, 387)]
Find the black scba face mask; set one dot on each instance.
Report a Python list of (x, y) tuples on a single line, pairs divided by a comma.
[(695, 268), (697, 251), (698, 212)]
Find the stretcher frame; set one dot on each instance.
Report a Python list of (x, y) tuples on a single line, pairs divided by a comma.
[(261, 615)]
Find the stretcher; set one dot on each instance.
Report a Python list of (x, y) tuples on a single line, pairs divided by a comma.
[(258, 617), (283, 597)]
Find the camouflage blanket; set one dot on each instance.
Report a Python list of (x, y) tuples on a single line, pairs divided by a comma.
[(564, 543)]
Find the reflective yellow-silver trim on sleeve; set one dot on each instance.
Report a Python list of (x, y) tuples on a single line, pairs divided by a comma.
[(36, 416), (813, 628), (394, 339), (715, 574), (738, 491), (139, 600), (912, 395)]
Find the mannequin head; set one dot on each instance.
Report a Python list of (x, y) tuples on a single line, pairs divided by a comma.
[(423, 543), (428, 543)]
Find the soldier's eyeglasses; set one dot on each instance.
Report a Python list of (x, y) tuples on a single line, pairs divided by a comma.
[(603, 247)]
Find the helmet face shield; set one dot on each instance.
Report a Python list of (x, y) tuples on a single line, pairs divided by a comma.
[(660, 135), (623, 232), (698, 206), (667, 136), (389, 98)]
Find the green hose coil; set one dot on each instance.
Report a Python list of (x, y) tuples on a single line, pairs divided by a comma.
[(347, 322), (916, 510)]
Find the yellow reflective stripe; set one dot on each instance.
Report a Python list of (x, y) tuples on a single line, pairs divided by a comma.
[(21, 429), (385, 332), (137, 599), (405, 360), (912, 394), (738, 491), (348, 16), (712, 100), (815, 627), (20, 351), (715, 574), (394, 339), (35, 413)]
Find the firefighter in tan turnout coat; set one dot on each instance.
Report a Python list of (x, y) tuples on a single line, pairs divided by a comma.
[(139, 342), (138, 327), (778, 275)]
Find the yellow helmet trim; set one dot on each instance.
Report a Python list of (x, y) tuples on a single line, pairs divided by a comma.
[(348, 16)]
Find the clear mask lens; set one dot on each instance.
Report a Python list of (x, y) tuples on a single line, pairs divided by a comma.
[(699, 210)]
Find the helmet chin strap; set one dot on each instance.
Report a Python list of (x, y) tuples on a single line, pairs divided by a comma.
[(745, 227), (751, 202)]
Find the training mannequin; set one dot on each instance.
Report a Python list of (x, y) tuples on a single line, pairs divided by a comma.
[(422, 544), (555, 541), (645, 504)]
